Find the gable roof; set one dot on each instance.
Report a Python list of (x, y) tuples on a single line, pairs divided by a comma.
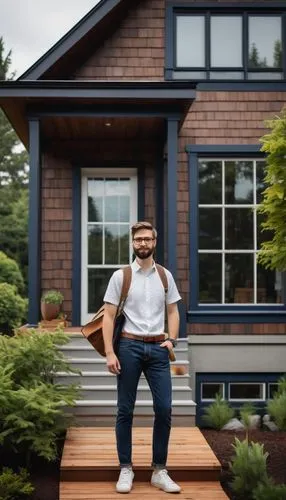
[(83, 35)]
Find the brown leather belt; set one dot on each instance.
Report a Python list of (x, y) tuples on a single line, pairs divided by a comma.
[(144, 338)]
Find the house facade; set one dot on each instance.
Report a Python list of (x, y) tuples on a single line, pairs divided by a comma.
[(153, 110)]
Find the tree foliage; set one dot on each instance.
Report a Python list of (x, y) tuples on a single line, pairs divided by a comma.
[(273, 252), (13, 183)]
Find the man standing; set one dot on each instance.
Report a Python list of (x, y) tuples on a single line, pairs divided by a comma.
[(143, 347)]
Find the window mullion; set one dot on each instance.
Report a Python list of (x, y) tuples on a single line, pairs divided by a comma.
[(245, 43), (255, 232), (208, 43)]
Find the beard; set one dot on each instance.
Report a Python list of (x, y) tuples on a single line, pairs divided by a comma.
[(143, 253)]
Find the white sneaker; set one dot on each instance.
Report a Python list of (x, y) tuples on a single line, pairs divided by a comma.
[(161, 479), (124, 483)]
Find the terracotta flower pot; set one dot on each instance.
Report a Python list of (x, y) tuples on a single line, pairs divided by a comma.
[(50, 311)]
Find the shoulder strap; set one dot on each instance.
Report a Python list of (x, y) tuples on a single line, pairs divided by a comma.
[(163, 276), (127, 275)]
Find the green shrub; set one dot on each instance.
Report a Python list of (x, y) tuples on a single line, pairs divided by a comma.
[(14, 485), (276, 407), (218, 413), (32, 417), (10, 272), (270, 491), (248, 467), (35, 355), (281, 385), (52, 297), (13, 308)]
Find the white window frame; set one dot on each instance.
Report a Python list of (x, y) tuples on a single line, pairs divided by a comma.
[(208, 400), (109, 173), (263, 384), (253, 206)]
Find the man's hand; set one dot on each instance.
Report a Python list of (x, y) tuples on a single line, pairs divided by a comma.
[(113, 364), (167, 344)]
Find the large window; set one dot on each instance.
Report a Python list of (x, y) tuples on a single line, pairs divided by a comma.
[(239, 45), (230, 234)]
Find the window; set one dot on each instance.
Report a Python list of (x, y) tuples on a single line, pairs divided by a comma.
[(230, 234), (209, 390), (109, 208), (246, 391), (237, 45)]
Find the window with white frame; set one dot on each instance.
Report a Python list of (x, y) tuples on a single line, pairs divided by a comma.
[(248, 391), (232, 46), (109, 208), (230, 234), (209, 391)]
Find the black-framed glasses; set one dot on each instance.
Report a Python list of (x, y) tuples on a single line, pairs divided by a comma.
[(139, 241)]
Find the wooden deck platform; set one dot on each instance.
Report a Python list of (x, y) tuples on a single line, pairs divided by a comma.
[(140, 491), (90, 455)]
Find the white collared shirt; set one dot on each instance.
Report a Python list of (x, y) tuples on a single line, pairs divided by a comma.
[(144, 308)]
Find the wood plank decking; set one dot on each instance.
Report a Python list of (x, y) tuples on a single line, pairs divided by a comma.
[(89, 466), (141, 491)]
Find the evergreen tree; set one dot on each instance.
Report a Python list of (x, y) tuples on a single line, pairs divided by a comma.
[(277, 56), (13, 183), (273, 206)]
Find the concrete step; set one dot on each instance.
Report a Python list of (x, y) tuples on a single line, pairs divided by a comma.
[(99, 365), (109, 407), (105, 378), (107, 392), (88, 352)]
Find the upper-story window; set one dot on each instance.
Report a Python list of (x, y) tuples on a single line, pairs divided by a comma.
[(238, 45)]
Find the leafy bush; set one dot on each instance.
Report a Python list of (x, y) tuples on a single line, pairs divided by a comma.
[(248, 467), (32, 417), (281, 385), (14, 485), (52, 297), (10, 272), (277, 409), (13, 308), (218, 413), (270, 491)]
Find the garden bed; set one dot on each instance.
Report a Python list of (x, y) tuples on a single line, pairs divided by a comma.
[(274, 444)]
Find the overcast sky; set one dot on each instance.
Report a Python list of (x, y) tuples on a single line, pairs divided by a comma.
[(30, 27)]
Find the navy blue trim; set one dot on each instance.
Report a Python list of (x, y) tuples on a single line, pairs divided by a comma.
[(194, 272), (223, 149), (220, 313), (73, 36), (76, 242), (270, 86), (34, 271), (160, 209), (172, 180), (169, 40), (227, 5)]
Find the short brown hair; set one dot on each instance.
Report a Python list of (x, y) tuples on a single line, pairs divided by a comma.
[(143, 225)]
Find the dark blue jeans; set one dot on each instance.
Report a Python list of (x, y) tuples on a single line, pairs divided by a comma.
[(135, 357)]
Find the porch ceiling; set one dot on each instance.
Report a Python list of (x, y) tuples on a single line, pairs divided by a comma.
[(105, 128)]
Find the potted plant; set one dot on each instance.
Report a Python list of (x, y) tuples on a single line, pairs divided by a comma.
[(51, 303)]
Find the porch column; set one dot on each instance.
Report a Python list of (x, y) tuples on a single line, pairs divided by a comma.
[(172, 159), (34, 273)]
